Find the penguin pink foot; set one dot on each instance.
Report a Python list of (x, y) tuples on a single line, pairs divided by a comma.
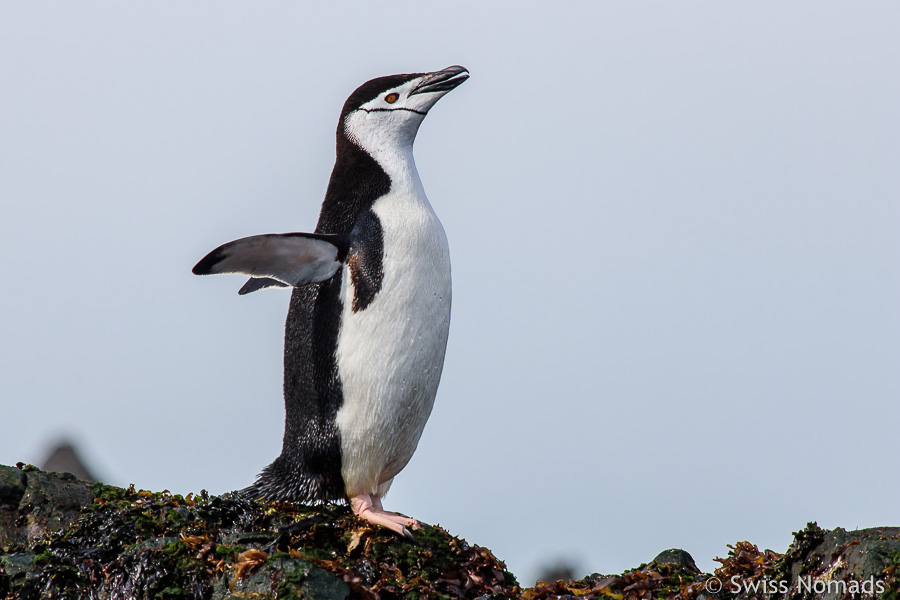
[(368, 507)]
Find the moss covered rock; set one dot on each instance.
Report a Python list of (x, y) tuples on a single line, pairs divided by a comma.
[(70, 539), (63, 538)]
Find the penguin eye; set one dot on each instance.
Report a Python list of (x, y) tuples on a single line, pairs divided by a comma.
[(391, 98)]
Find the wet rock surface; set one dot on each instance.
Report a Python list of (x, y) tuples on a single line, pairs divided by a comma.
[(64, 538), (828, 565), (33, 502), (68, 539)]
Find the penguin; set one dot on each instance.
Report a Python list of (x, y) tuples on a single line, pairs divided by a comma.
[(366, 330)]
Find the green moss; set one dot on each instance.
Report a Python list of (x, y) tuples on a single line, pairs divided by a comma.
[(109, 493), (290, 586), (176, 519), (183, 558), (805, 541), (892, 576), (147, 523), (228, 551), (429, 557), (44, 558), (318, 553)]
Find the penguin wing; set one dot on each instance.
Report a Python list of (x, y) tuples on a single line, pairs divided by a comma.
[(286, 259), (260, 283)]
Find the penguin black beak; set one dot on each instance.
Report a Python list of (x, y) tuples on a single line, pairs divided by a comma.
[(441, 81)]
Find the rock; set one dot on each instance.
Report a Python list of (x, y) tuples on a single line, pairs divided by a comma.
[(834, 560), (18, 565), (70, 539), (34, 503), (63, 538), (52, 500), (12, 486), (677, 558), (284, 578)]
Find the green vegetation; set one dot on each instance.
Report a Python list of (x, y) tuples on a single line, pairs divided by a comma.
[(61, 538)]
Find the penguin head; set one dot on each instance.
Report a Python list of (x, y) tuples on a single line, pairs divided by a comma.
[(387, 111)]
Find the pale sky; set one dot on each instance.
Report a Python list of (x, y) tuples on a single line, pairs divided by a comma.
[(674, 233)]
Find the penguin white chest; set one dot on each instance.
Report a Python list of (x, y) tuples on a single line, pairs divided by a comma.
[(390, 355)]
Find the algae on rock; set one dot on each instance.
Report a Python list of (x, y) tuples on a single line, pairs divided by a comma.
[(67, 538), (64, 538)]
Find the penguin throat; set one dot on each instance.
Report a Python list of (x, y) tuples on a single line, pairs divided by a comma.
[(388, 137)]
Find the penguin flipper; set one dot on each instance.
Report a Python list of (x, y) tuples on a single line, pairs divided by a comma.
[(259, 283), (287, 259)]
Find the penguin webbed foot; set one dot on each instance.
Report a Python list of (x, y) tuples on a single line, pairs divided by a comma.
[(368, 507)]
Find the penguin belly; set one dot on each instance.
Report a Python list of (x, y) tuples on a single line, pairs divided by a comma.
[(390, 354)]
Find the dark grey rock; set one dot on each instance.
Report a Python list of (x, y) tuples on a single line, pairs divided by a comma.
[(152, 544), (32, 503), (284, 578), (322, 585), (843, 557), (12, 486), (18, 566), (248, 539), (51, 502), (677, 558)]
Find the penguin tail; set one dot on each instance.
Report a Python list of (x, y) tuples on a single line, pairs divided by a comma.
[(282, 481)]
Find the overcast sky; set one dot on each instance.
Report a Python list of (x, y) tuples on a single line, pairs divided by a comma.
[(674, 233)]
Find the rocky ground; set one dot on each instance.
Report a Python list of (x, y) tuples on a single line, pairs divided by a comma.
[(65, 538)]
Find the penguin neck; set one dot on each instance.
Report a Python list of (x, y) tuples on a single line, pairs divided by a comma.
[(400, 166), (361, 176), (387, 137)]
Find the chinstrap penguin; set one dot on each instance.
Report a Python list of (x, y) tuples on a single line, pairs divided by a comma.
[(367, 326)]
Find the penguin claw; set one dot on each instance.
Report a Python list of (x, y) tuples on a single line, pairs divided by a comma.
[(369, 508), (408, 534)]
